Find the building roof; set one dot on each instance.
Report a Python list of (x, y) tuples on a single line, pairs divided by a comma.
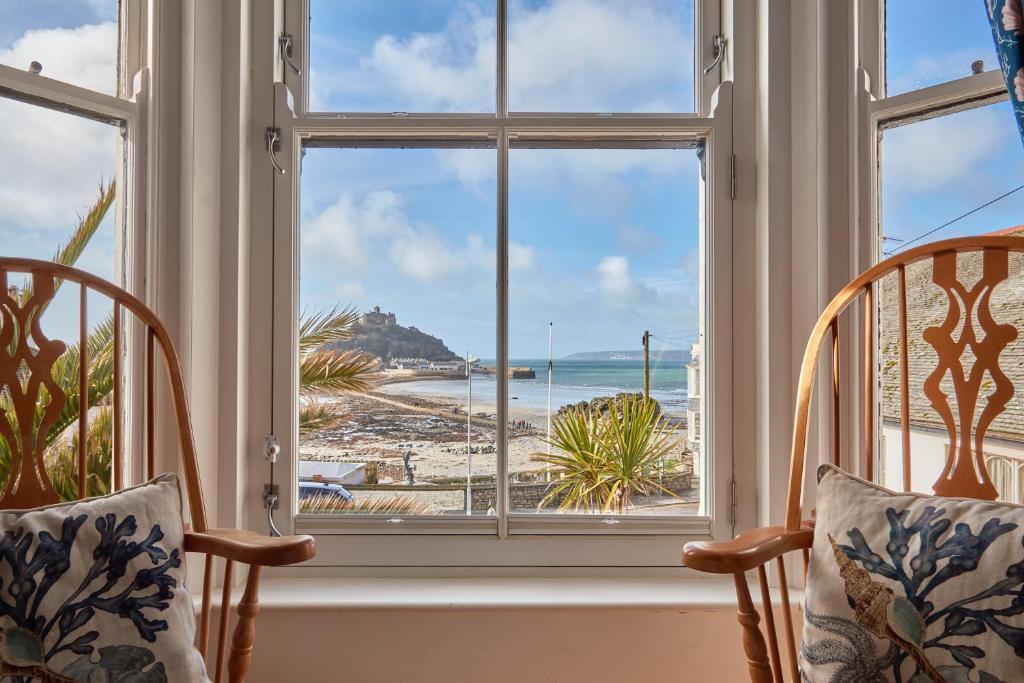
[(927, 306)]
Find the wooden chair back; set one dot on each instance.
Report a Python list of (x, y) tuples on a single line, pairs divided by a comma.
[(967, 388), (42, 385)]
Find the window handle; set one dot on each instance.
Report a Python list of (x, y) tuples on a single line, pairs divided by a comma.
[(284, 42), (272, 137), (718, 42)]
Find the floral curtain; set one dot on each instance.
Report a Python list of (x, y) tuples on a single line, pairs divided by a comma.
[(1007, 21)]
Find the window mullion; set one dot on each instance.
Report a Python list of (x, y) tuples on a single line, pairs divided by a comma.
[(501, 378), (501, 105)]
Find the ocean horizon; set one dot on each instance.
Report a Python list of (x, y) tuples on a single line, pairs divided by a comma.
[(572, 381)]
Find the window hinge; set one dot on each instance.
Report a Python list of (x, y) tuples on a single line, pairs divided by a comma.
[(272, 138), (732, 503), (732, 176), (285, 42)]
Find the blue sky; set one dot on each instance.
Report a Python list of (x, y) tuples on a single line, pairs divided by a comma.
[(604, 242)]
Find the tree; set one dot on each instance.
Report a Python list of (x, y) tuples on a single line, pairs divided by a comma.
[(319, 371)]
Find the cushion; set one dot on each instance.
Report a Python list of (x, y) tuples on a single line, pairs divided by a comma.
[(912, 588), (93, 590)]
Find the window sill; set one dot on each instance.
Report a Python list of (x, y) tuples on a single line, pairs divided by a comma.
[(499, 593)]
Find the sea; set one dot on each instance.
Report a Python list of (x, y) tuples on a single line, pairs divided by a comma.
[(572, 381)]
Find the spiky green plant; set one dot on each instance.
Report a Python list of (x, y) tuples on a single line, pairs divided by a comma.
[(603, 459)]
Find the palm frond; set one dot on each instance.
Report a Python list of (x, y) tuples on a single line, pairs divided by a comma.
[(322, 371), (69, 252), (315, 416), (393, 505), (326, 326), (62, 459)]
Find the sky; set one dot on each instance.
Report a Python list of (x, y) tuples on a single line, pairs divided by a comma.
[(604, 244)]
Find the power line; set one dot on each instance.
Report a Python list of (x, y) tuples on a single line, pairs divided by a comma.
[(949, 223)]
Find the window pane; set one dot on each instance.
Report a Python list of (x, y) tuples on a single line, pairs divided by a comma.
[(62, 194), (601, 55), (927, 43), (958, 170), (74, 40), (604, 245), (405, 239), (402, 56)]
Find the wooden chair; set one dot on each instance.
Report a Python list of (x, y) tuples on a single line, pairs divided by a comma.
[(27, 362), (968, 326)]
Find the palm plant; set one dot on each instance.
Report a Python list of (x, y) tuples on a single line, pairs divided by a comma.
[(603, 459), (320, 370), (327, 370)]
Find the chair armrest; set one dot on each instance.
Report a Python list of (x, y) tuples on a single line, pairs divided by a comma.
[(248, 547), (749, 550)]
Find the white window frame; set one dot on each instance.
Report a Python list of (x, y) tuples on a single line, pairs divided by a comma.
[(507, 540)]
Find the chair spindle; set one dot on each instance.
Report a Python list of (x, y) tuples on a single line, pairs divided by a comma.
[(904, 378), (118, 463), (225, 612), (753, 641), (83, 391), (150, 397), (204, 615), (769, 621), (869, 382), (836, 393), (787, 617)]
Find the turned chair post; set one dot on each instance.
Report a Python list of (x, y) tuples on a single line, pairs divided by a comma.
[(753, 641), (245, 630)]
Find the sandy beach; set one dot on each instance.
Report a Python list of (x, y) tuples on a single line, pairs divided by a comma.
[(386, 426)]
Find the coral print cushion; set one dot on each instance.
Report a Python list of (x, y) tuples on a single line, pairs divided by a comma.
[(912, 588), (93, 590)]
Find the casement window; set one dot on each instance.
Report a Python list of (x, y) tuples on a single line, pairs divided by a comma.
[(941, 158), (72, 132), (483, 186)]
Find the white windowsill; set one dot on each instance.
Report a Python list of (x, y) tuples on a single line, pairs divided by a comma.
[(501, 593)]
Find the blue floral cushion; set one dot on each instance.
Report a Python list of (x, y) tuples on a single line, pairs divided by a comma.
[(94, 590), (911, 588)]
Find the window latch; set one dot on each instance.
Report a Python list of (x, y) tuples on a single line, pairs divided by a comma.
[(286, 44), (718, 42), (271, 448), (272, 138)]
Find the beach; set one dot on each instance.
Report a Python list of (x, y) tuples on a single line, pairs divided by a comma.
[(410, 429)]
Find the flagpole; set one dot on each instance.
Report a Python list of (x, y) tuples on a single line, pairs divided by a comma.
[(469, 440), (551, 329)]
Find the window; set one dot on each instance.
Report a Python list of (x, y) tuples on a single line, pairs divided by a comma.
[(469, 266), (945, 169), (70, 192)]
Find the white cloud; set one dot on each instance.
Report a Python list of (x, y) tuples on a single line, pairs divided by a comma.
[(928, 155), (615, 279), (356, 232), (57, 160), (565, 55), (520, 256), (423, 255)]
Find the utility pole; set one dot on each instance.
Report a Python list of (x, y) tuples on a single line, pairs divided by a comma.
[(647, 365)]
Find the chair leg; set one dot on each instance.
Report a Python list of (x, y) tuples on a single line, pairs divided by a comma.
[(245, 630), (753, 641)]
